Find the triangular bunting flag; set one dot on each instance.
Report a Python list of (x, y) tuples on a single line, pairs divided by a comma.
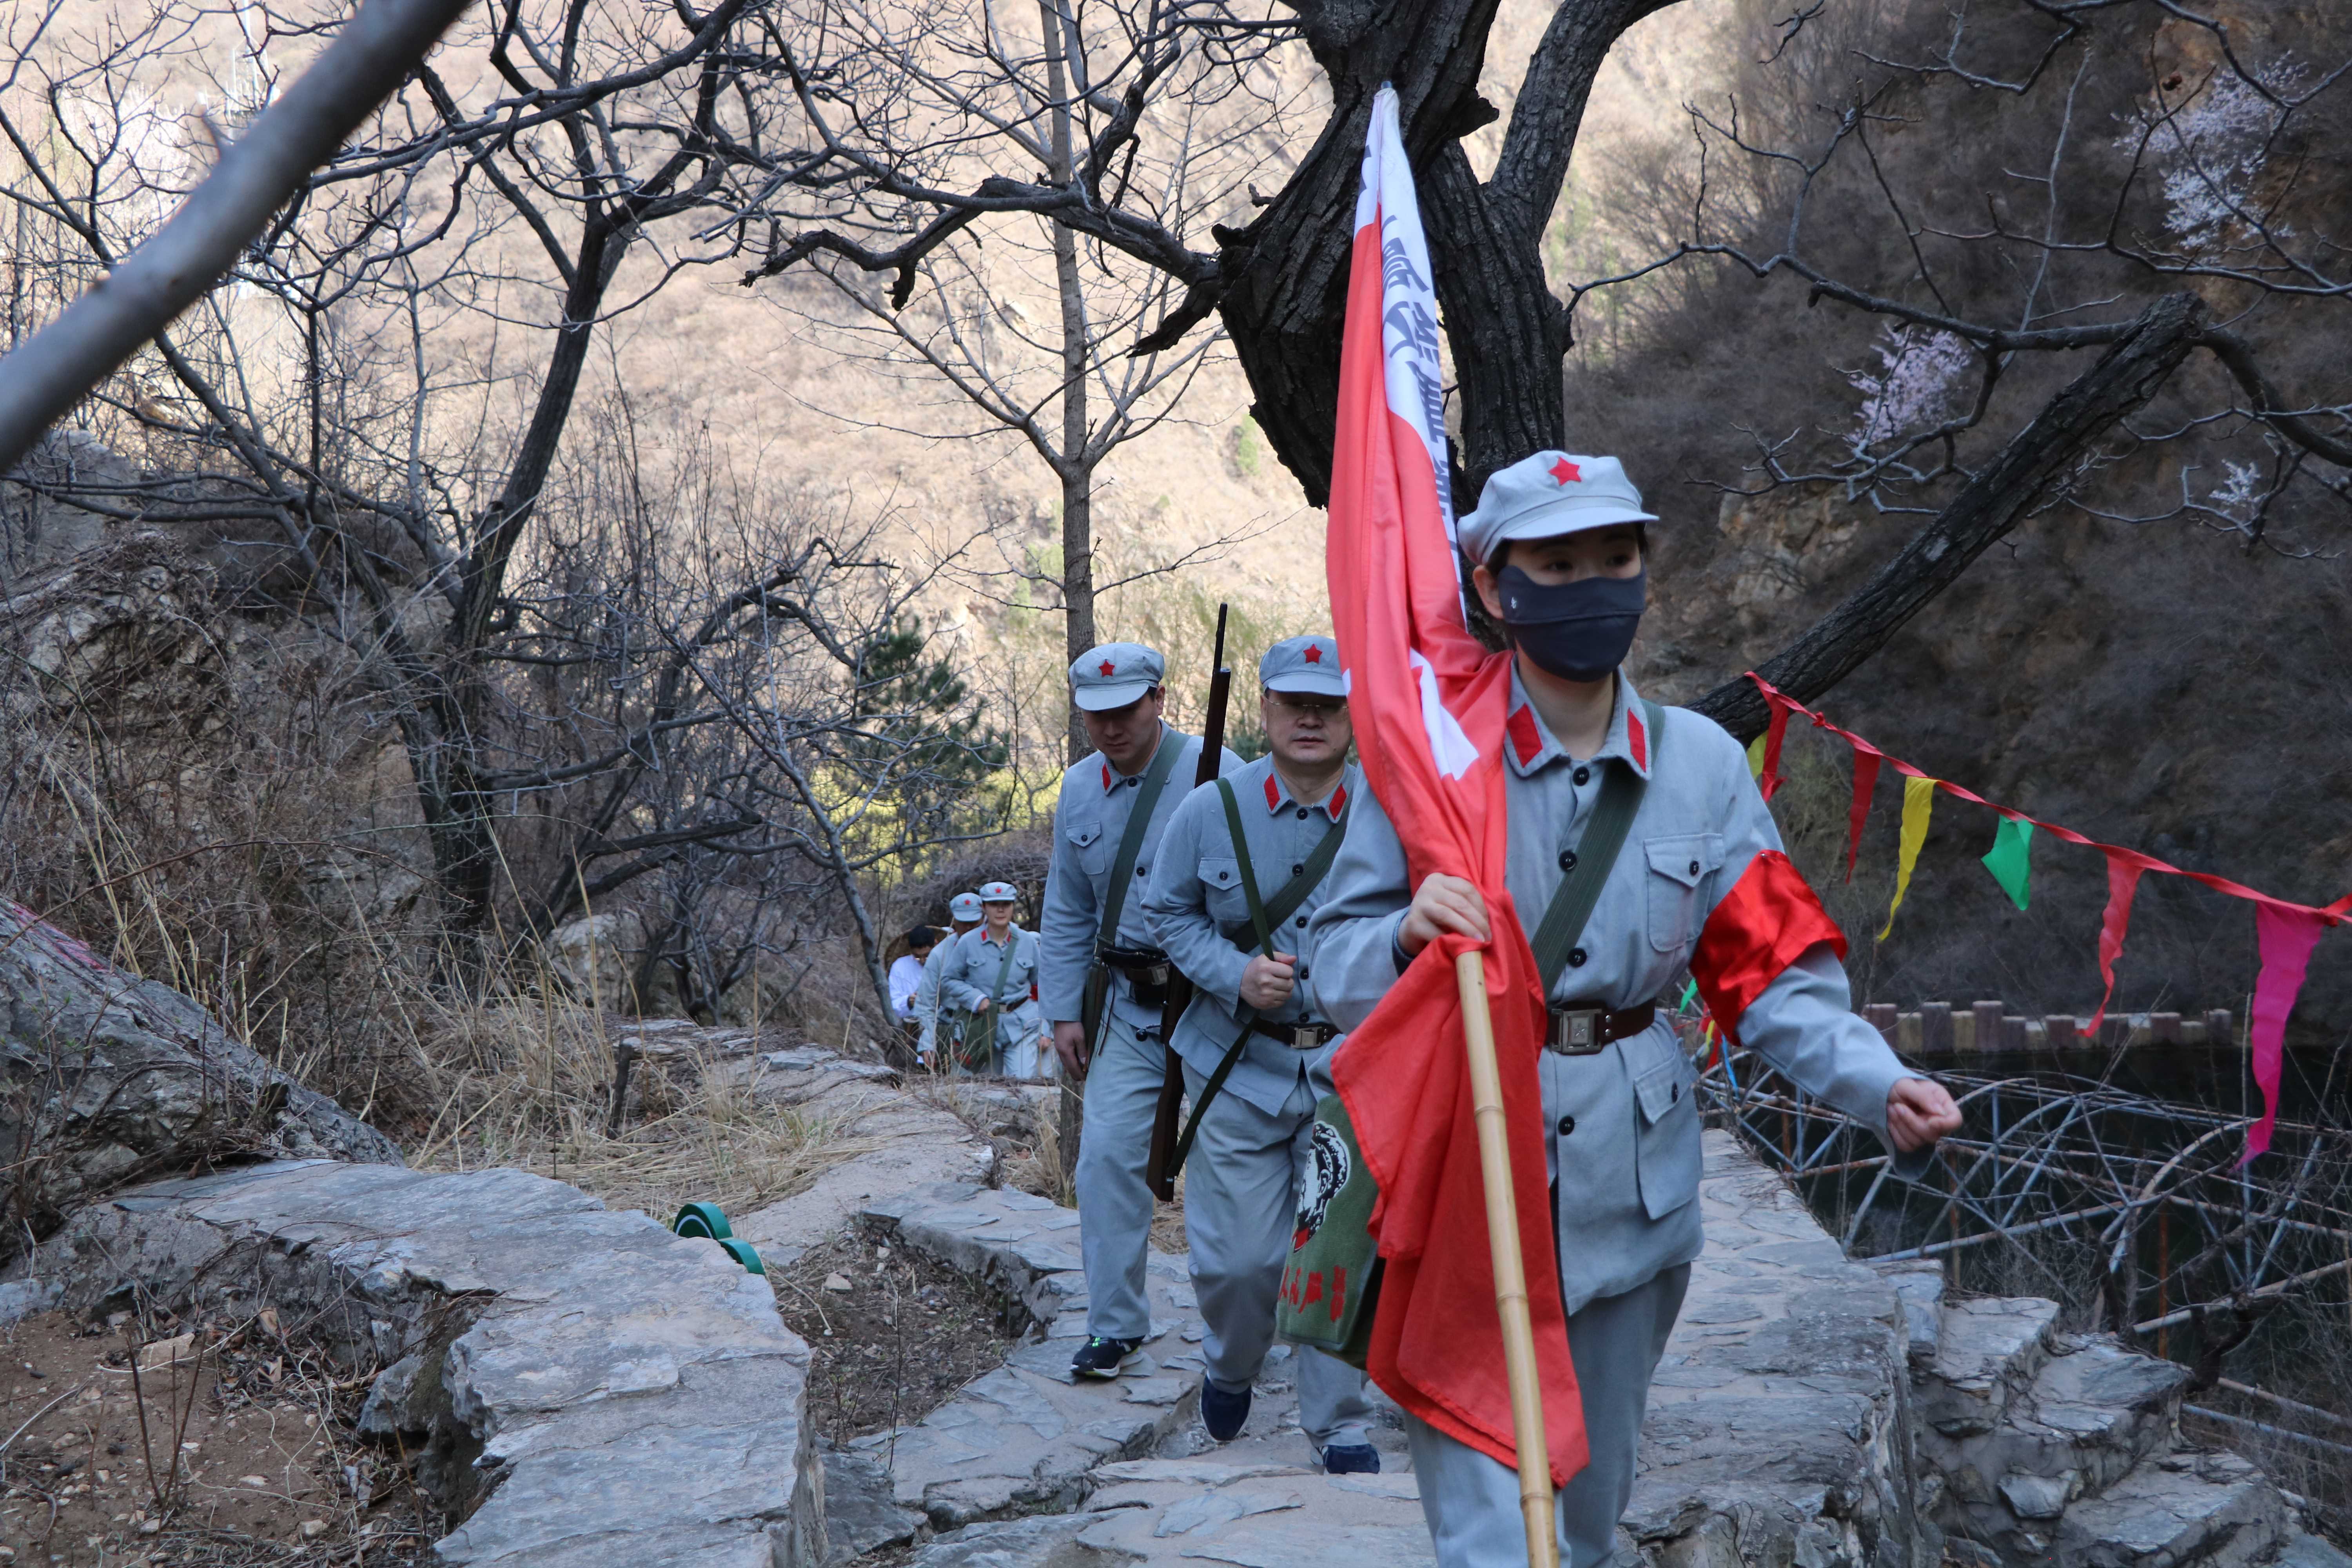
[(1918, 802), (2010, 856), (1771, 778), (2285, 937), (1865, 784), (1755, 758), (2123, 880)]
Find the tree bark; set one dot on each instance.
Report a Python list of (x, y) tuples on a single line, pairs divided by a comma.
[(1077, 467), (2034, 462)]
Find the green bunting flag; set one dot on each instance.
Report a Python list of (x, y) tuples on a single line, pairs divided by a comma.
[(2010, 858)]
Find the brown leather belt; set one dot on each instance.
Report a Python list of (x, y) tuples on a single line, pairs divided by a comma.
[(1583, 1029), (1297, 1037)]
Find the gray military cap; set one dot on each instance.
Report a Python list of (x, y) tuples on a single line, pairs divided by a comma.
[(964, 907), (1548, 495), (1307, 665), (998, 892), (1114, 674)]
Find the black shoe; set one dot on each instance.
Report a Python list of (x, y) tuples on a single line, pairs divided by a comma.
[(1099, 1357), (1224, 1413), (1352, 1459)]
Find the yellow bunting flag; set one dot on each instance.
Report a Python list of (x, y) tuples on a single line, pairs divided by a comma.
[(1756, 757), (1918, 800)]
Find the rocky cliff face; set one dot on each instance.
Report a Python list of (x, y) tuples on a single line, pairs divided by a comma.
[(105, 1077)]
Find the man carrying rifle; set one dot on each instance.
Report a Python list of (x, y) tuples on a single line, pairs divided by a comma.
[(1241, 869), (1103, 982)]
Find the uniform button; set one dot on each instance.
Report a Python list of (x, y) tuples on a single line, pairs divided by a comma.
[(1139, 871), (1566, 1125), (1583, 776), (1568, 859), (1135, 782), (1576, 958), (1300, 923), (1302, 814), (1296, 867), (1694, 870)]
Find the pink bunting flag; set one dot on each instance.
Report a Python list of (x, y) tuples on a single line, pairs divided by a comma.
[(2286, 935), (1866, 783), (1771, 779), (2123, 880)]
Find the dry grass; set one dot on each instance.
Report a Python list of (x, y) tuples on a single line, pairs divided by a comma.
[(529, 1083)]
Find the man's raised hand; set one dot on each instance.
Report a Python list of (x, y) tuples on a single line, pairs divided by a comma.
[(1269, 980)]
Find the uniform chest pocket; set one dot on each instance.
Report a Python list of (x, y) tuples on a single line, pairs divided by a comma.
[(1679, 866), (1221, 887), (1093, 851)]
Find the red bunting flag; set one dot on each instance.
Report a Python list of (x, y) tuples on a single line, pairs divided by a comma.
[(2286, 935), (2123, 881), (1769, 781), (1866, 783)]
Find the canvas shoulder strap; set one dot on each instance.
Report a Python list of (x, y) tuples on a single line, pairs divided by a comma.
[(1265, 917), (1613, 817), (1130, 843)]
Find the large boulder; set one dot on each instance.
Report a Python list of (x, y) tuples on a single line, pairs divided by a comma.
[(107, 1077)]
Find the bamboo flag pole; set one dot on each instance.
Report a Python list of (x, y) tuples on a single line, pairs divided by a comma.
[(1510, 1270)]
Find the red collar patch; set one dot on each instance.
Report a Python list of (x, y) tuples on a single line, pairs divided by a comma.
[(1273, 794), (1106, 775), (1637, 739), (1524, 740), (1338, 801)]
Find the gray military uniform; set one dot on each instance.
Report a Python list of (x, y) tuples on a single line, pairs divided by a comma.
[(1622, 1126), (970, 975), (1122, 1088), (926, 993), (1243, 1177)]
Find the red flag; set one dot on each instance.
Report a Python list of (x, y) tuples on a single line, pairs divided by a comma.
[(1429, 703)]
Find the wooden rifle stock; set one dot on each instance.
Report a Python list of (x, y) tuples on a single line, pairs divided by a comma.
[(1168, 1117)]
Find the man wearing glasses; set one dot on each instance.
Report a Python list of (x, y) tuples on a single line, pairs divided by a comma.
[(1240, 870)]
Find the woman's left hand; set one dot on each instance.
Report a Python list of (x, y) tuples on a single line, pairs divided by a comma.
[(1918, 1111)]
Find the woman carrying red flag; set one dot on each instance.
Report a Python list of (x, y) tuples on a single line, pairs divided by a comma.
[(1700, 881)]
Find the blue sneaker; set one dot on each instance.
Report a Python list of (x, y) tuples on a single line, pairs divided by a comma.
[(1352, 1459), (1224, 1413)]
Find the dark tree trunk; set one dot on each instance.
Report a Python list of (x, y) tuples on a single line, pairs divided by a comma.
[(1285, 298), (2035, 460)]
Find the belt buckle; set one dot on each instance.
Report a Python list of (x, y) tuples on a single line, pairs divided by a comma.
[(1575, 1032), (1310, 1036)]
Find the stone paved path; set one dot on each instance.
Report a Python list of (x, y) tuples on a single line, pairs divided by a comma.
[(1770, 1423)]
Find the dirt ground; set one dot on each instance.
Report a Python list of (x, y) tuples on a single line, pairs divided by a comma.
[(233, 1448), (907, 1332)]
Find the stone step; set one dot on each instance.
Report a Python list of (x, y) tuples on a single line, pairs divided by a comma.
[(1919, 1285), (1987, 1351), (2094, 1412), (2179, 1510), (2306, 1550)]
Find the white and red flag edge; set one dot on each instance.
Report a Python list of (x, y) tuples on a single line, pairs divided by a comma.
[(1429, 703)]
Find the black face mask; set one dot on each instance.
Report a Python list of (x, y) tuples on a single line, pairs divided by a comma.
[(1578, 631)]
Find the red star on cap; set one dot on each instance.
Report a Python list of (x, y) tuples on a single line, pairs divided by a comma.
[(1108, 668), (1314, 654), (1566, 472)]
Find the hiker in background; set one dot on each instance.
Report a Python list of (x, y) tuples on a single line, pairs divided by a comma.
[(907, 974), (992, 978), (1559, 560), (1114, 805), (963, 914), (1257, 1056)]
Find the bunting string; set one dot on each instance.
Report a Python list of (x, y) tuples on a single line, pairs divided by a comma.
[(2285, 930)]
